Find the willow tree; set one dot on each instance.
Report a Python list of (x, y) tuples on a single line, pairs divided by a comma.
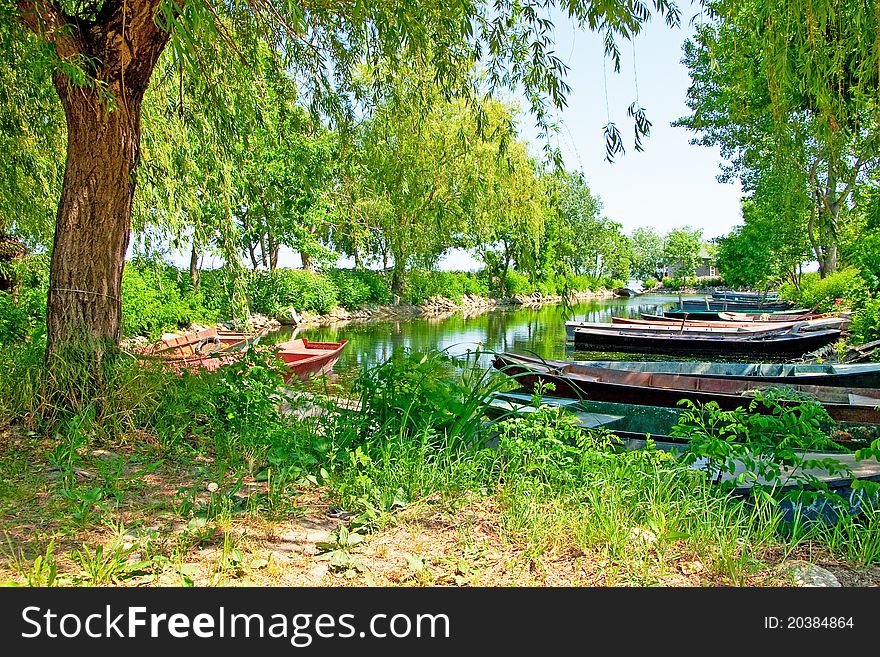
[(789, 90), (102, 54), (508, 226)]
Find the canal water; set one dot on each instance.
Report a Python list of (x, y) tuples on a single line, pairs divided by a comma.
[(539, 331)]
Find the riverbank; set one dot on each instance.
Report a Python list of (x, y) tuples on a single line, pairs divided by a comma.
[(437, 307)]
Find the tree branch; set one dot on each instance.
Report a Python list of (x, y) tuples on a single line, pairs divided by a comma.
[(46, 19)]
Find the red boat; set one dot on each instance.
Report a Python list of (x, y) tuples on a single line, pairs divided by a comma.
[(306, 358)]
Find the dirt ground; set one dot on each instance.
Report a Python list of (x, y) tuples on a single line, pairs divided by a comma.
[(433, 542)]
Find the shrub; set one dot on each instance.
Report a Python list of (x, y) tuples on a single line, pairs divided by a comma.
[(650, 283), (355, 288), (716, 281), (846, 284), (517, 283), (14, 320), (423, 284), (152, 301), (272, 292), (866, 322)]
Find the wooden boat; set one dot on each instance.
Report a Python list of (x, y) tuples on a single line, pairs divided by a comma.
[(306, 358), (788, 344), (658, 389), (650, 328), (855, 375), (207, 349), (715, 314), (658, 320), (776, 317), (818, 322), (747, 297), (670, 328), (634, 423), (747, 306)]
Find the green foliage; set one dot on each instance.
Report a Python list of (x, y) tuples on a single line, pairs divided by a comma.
[(866, 322), (681, 248), (105, 566), (155, 300), (769, 247), (359, 287), (14, 320), (648, 254), (548, 447), (276, 291), (412, 393), (768, 445), (847, 285), (42, 571), (518, 283), (789, 108), (423, 284)]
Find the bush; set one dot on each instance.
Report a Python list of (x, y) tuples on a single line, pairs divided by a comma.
[(355, 288), (650, 283), (423, 284), (866, 322), (846, 284), (517, 283), (14, 320), (153, 302), (272, 292)]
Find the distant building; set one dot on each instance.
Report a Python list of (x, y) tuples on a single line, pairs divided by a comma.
[(706, 267)]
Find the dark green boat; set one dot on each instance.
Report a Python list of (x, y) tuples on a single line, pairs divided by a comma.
[(634, 424), (855, 375)]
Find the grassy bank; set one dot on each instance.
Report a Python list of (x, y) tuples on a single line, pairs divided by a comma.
[(156, 479), (157, 297)]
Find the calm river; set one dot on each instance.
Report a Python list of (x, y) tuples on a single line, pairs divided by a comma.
[(539, 331)]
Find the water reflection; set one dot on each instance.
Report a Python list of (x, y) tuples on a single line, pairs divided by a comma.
[(538, 331)]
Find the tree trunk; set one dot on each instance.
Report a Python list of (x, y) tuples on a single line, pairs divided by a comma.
[(194, 268), (103, 145), (307, 263), (273, 252), (263, 256), (397, 280)]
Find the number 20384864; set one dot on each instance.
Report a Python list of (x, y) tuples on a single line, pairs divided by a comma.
[(808, 622)]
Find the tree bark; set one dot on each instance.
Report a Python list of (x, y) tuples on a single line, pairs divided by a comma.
[(307, 263), (103, 146), (194, 268)]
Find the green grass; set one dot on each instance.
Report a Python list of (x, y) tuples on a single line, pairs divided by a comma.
[(420, 435)]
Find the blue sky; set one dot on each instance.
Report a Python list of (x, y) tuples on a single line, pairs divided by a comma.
[(671, 183)]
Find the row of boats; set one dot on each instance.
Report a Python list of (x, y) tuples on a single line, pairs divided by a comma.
[(211, 348), (636, 398), (778, 335)]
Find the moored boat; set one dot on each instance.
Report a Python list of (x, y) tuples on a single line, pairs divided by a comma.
[(814, 323), (668, 328), (702, 313), (855, 375), (748, 306), (206, 349), (660, 389), (787, 344), (305, 358)]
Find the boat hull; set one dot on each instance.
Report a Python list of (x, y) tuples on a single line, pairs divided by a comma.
[(865, 375), (667, 390), (787, 345), (306, 359)]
